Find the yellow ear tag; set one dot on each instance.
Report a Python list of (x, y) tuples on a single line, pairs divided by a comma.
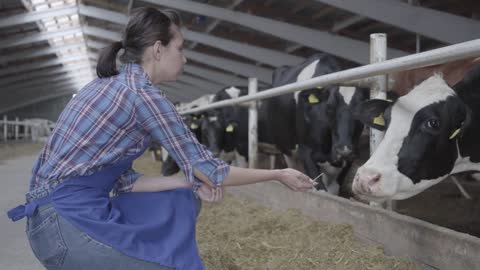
[(194, 118), (319, 87), (229, 128), (312, 99), (454, 134), (193, 126), (379, 120)]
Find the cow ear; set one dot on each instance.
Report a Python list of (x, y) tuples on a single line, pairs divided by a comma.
[(371, 113), (469, 83), (392, 96), (465, 124)]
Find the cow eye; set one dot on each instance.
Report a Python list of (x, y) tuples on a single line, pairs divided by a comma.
[(433, 123)]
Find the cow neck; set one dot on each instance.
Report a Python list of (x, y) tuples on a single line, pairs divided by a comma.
[(469, 92)]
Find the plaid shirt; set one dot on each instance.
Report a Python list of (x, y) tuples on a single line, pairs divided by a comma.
[(111, 119)]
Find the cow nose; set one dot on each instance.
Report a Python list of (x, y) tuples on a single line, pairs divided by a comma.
[(344, 152), (365, 182)]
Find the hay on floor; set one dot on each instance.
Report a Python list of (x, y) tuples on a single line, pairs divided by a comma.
[(238, 234)]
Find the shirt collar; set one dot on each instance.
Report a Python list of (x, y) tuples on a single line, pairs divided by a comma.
[(138, 72), (133, 68)]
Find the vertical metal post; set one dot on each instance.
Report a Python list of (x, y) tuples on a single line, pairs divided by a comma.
[(417, 44), (25, 131), (34, 130), (272, 161), (30, 130), (417, 36), (252, 125), (378, 90), (17, 123), (5, 128)]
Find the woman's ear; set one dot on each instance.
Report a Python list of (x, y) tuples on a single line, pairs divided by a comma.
[(158, 50)]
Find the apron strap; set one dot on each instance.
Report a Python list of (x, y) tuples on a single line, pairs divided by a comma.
[(115, 170), (27, 210)]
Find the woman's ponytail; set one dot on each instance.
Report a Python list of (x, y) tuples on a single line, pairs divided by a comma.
[(107, 61), (145, 26)]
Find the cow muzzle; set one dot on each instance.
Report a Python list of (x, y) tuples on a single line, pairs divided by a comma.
[(343, 153), (367, 182)]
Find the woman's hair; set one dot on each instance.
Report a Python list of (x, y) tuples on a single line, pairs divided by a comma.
[(146, 26)]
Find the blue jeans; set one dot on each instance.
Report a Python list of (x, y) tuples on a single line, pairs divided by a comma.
[(59, 245)]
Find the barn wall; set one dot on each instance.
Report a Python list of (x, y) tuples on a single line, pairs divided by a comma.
[(49, 109)]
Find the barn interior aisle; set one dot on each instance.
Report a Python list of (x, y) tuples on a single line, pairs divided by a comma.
[(15, 164), (346, 51)]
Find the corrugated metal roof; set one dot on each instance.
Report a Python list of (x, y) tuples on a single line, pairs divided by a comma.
[(50, 47)]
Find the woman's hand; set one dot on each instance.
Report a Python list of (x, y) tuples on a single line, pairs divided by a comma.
[(295, 180), (210, 194)]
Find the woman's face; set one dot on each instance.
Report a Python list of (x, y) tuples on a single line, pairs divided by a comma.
[(172, 60)]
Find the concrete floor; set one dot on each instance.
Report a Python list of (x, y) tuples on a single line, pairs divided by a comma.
[(15, 252)]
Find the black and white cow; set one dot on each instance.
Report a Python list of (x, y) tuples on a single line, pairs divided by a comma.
[(326, 131), (328, 134), (276, 119), (431, 132), (225, 130), (169, 166)]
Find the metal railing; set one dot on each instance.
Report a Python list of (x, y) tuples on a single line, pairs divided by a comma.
[(33, 129), (372, 75), (433, 57)]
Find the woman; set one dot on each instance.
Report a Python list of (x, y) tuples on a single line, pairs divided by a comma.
[(73, 223)]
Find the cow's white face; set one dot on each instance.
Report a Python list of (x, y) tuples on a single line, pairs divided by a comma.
[(419, 148), (233, 92)]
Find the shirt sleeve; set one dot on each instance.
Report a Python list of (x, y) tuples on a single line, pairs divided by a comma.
[(126, 181), (158, 116)]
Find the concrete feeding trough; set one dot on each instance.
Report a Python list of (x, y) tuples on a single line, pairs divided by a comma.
[(429, 245)]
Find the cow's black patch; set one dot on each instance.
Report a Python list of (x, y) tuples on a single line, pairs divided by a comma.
[(427, 151), (469, 91)]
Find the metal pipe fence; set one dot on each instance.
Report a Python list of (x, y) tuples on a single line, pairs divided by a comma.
[(433, 57)]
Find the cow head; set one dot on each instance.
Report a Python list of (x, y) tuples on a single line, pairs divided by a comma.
[(212, 130), (420, 144), (346, 130), (219, 126), (313, 127), (193, 122)]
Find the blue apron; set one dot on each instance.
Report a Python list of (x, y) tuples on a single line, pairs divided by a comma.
[(154, 226)]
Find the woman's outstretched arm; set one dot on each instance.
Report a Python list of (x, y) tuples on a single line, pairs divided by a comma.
[(293, 179), (159, 183)]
